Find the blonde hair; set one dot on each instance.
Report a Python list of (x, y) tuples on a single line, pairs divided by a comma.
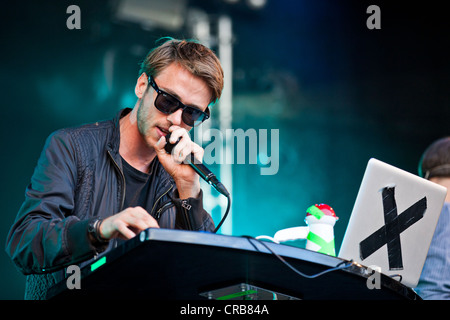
[(195, 57)]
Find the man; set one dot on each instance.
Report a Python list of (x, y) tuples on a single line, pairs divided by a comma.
[(102, 183), (434, 283)]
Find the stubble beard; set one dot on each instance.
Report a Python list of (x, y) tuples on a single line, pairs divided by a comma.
[(144, 127)]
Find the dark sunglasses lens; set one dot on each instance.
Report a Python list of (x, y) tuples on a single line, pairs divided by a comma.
[(192, 116), (166, 103)]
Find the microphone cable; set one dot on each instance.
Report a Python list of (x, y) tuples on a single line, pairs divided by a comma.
[(226, 213)]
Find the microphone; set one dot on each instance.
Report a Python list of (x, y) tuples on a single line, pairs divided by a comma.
[(200, 168)]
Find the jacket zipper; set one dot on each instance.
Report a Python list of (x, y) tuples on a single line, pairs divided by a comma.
[(165, 206), (159, 198), (123, 181), (123, 187), (186, 217)]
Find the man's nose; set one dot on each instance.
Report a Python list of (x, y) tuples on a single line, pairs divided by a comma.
[(175, 118)]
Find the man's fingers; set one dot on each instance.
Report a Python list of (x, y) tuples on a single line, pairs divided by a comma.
[(198, 151), (181, 151), (126, 224), (138, 220), (142, 219), (183, 143), (125, 232), (185, 146), (177, 133)]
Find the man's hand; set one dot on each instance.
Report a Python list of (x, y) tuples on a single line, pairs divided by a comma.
[(127, 224), (186, 179)]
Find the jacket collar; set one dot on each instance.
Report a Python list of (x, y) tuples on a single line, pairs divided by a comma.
[(114, 142)]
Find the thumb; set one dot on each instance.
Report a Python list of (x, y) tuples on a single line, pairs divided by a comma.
[(164, 157), (159, 147)]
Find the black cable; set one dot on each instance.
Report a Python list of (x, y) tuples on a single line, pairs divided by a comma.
[(345, 266), (225, 215)]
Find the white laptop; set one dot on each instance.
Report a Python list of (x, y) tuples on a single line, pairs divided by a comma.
[(393, 221)]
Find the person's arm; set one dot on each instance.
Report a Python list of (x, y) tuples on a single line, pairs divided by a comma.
[(46, 236), (191, 215), (188, 196)]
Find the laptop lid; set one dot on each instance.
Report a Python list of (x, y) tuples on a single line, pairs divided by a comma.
[(393, 221)]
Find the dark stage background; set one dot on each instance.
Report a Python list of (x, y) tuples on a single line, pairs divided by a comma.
[(338, 92)]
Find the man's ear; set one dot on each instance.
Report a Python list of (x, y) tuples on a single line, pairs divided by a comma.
[(141, 85)]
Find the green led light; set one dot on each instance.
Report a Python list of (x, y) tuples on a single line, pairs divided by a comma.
[(98, 264), (238, 294)]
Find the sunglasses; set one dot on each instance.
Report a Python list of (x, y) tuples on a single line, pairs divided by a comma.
[(168, 104)]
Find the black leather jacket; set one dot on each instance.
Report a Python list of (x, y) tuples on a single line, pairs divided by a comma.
[(79, 176)]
